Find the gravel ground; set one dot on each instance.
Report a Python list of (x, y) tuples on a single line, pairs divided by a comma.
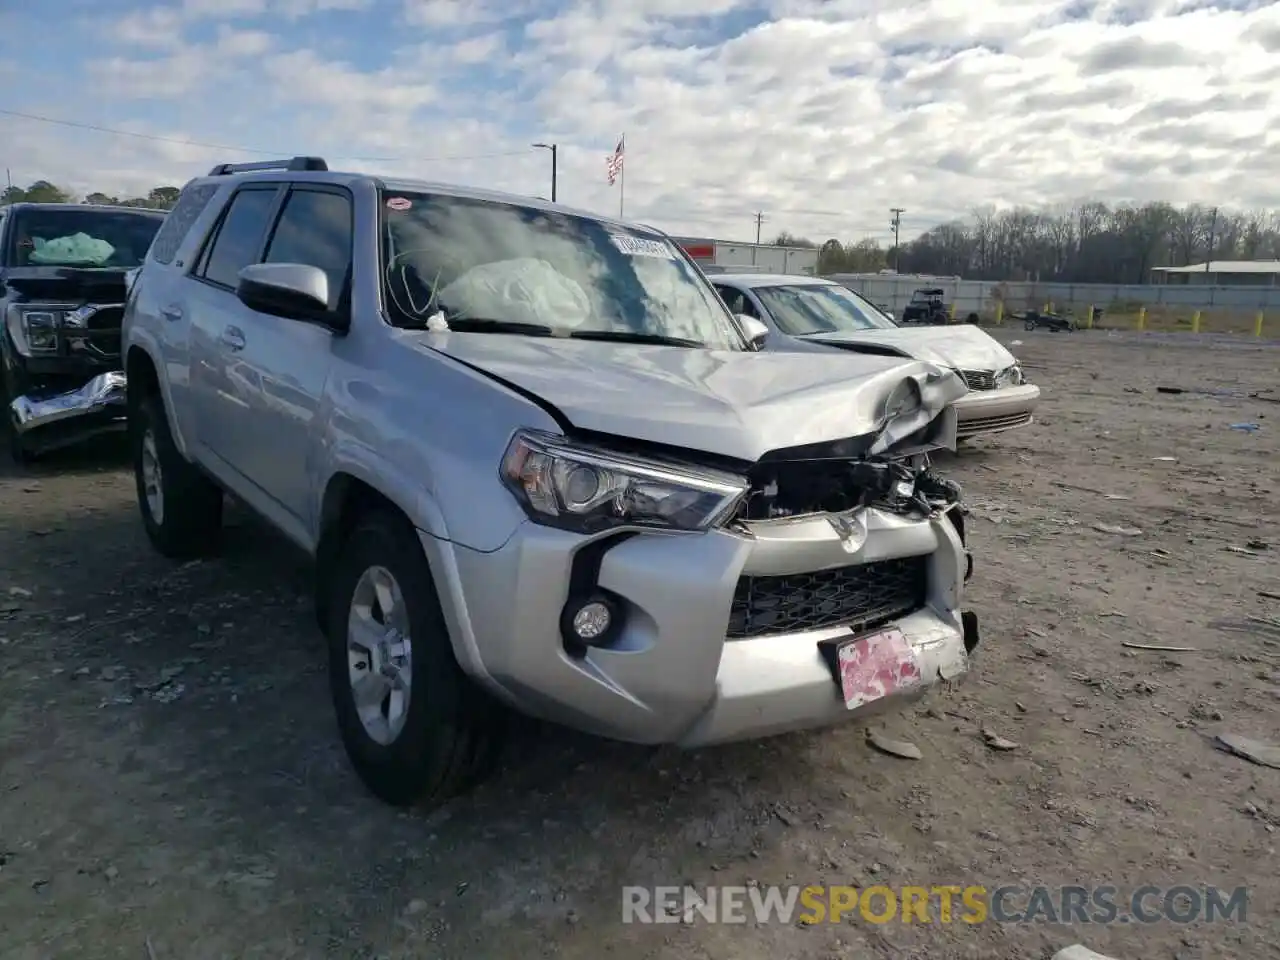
[(171, 783)]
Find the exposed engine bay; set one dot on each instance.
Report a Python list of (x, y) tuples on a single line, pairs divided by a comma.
[(786, 488)]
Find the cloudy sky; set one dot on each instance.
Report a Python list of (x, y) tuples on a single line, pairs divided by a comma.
[(823, 114)]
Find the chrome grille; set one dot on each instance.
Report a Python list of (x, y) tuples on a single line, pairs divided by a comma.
[(861, 597), (979, 379), (971, 428)]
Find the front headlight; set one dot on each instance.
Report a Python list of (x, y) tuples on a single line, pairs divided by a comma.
[(1010, 376), (585, 489), (34, 330)]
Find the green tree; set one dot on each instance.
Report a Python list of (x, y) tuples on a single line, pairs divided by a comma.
[(163, 198), (42, 191)]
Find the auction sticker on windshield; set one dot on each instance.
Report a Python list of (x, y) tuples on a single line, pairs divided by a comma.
[(642, 246), (399, 203)]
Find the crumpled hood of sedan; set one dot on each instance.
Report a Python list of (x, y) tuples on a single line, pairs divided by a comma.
[(733, 404), (961, 346)]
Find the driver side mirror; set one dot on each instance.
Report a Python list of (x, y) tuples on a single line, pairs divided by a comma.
[(756, 331), (295, 291)]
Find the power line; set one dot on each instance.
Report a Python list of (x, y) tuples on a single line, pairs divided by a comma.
[(237, 149)]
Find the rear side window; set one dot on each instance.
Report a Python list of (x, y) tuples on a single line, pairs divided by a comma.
[(315, 229), (185, 213), (239, 237)]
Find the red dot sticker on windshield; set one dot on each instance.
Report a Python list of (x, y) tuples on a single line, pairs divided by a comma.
[(398, 203)]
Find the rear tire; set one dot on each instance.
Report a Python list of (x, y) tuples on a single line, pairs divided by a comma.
[(420, 731), (181, 507), (1029, 325)]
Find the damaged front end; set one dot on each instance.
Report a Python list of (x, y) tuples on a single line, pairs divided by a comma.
[(95, 407), (881, 495), (888, 468), (63, 377)]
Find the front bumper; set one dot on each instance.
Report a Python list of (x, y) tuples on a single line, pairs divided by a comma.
[(994, 411), (671, 674), (96, 406)]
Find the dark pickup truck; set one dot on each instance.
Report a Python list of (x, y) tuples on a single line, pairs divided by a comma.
[(63, 285)]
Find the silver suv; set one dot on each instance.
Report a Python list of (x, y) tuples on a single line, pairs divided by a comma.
[(540, 466)]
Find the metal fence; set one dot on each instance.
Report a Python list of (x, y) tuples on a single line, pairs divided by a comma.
[(981, 296)]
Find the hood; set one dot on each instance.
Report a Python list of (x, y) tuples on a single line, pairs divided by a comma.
[(733, 404), (962, 346), (67, 284)]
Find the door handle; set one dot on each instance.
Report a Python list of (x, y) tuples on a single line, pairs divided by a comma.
[(232, 338), (171, 312)]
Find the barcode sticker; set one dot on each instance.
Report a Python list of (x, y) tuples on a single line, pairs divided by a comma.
[(642, 246)]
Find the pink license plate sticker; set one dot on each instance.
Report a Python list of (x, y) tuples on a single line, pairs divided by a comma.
[(875, 666)]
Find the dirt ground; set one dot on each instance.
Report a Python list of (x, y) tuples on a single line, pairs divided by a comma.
[(172, 786)]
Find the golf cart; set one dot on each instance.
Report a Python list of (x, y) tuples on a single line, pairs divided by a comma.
[(927, 306)]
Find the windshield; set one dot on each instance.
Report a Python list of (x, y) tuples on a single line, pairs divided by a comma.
[(810, 308), (62, 237), (506, 268)]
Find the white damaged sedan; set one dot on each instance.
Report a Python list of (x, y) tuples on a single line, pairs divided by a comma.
[(801, 313)]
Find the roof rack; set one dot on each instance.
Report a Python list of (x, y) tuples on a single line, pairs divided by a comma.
[(296, 163)]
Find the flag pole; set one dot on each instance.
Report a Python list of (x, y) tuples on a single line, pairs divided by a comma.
[(622, 177)]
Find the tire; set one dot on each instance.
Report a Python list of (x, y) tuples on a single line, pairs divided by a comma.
[(1029, 325), (184, 520), (450, 733), (19, 452)]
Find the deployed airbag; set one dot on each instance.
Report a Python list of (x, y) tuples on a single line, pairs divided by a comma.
[(525, 289), (76, 248)]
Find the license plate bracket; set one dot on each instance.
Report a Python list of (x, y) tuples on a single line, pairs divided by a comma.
[(871, 666)]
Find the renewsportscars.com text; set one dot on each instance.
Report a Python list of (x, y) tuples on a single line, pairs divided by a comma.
[(944, 904)]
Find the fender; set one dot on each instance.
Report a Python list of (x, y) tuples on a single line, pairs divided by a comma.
[(141, 339), (367, 465)]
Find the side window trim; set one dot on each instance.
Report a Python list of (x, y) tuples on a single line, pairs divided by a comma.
[(201, 262), (282, 202)]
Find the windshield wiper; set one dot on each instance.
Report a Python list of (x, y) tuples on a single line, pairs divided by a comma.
[(493, 325), (631, 336)]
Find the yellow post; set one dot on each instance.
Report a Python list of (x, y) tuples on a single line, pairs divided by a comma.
[(951, 314), (999, 312), (1142, 318), (1088, 323), (1257, 324), (1195, 322), (1049, 308), (1045, 308)]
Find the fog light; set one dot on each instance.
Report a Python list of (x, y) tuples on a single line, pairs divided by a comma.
[(589, 620), (592, 620)]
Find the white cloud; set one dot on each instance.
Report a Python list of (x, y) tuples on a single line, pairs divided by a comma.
[(822, 116)]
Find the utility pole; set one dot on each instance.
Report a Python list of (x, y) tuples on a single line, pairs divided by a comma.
[(1213, 227), (896, 223), (554, 165), (759, 224)]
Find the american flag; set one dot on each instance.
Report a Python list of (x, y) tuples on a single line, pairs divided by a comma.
[(614, 161)]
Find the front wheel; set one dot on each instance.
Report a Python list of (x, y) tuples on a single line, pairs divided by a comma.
[(414, 726), (19, 452), (1029, 325), (181, 507)]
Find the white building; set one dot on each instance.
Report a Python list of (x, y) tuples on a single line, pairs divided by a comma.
[(1223, 273), (723, 255)]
